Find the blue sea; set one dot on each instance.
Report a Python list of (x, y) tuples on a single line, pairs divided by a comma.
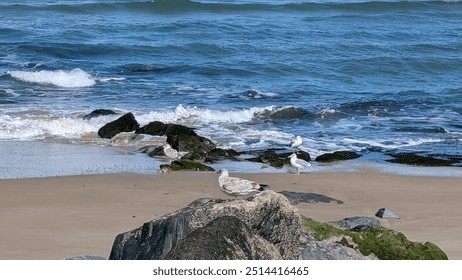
[(369, 76)]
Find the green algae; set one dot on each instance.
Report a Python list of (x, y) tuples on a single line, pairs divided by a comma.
[(386, 244)]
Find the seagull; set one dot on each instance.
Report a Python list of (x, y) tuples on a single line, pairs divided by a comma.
[(296, 142), (171, 153), (298, 163), (237, 186)]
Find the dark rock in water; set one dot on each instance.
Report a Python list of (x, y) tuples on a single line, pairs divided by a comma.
[(158, 128), (153, 150), (301, 155), (358, 223), (224, 153), (267, 214), (199, 146), (186, 165), (413, 159), (270, 157), (180, 138), (178, 129), (337, 156), (86, 258), (155, 128), (225, 238), (278, 160), (298, 197), (98, 113), (283, 114), (126, 123), (384, 213)]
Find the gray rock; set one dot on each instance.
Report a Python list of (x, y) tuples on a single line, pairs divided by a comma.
[(384, 213), (358, 223), (298, 197), (225, 238), (329, 249), (267, 213)]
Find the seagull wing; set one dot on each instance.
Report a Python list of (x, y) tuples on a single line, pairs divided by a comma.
[(303, 162), (236, 185)]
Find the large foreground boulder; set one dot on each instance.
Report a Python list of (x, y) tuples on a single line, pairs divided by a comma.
[(268, 215), (226, 238), (126, 123)]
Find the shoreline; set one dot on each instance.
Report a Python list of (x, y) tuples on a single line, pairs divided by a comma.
[(35, 159), (63, 217)]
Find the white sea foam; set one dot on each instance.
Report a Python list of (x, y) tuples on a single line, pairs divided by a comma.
[(396, 144), (38, 126), (74, 78), (195, 115)]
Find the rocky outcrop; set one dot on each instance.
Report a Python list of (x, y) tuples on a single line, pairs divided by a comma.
[(98, 113), (278, 159), (199, 147), (337, 156), (267, 214), (126, 123), (181, 138), (225, 238), (186, 165), (414, 159), (155, 128)]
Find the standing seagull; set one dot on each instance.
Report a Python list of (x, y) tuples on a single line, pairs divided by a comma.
[(237, 186), (296, 142), (171, 153), (298, 163)]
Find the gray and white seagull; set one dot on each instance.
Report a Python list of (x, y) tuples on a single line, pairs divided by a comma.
[(235, 186), (296, 143), (298, 163), (171, 153)]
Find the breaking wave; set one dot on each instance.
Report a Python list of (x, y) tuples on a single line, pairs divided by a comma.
[(75, 78)]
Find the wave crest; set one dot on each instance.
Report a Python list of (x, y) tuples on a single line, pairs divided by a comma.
[(74, 78), (194, 115)]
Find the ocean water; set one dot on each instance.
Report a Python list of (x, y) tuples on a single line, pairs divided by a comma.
[(368, 76)]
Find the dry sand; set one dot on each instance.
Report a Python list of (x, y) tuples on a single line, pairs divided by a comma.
[(61, 217)]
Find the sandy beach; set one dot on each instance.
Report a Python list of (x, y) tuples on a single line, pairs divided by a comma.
[(61, 217)]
